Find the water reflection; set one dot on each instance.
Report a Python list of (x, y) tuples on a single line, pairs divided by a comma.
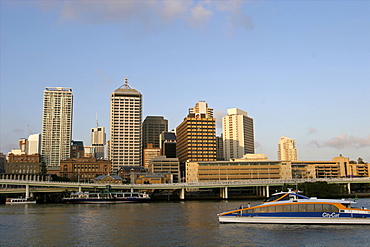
[(192, 223)]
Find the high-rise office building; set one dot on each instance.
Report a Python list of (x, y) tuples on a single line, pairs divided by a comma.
[(153, 126), (287, 149), (98, 141), (196, 135), (238, 134), (77, 149), (125, 127), (167, 144), (56, 125), (219, 148)]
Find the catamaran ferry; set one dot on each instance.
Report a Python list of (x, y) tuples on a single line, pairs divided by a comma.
[(293, 208), (106, 197)]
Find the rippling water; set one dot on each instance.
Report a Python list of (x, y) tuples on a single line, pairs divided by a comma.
[(191, 223)]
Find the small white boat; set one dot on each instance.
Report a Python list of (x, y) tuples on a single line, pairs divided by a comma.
[(21, 200), (293, 208)]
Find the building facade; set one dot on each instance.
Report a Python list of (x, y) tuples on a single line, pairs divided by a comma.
[(24, 164), (125, 127), (153, 126), (84, 169), (167, 144), (98, 137), (287, 149), (149, 153), (196, 135), (77, 149), (238, 134), (34, 144), (162, 165), (56, 125)]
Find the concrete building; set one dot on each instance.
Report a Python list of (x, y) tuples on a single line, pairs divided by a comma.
[(167, 144), (84, 169), (219, 148), (77, 149), (162, 165), (196, 135), (24, 164), (34, 144), (98, 137), (108, 179), (153, 126), (125, 127), (56, 125), (287, 149), (238, 134), (149, 153), (260, 168)]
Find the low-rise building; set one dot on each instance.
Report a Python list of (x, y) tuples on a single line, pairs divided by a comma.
[(108, 179), (163, 165), (84, 169), (151, 178)]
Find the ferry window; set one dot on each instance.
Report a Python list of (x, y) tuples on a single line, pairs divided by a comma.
[(279, 208), (271, 209), (286, 208), (294, 208), (302, 207), (263, 209), (318, 208), (257, 210), (326, 207), (311, 207)]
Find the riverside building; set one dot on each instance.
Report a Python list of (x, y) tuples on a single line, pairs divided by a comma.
[(56, 126), (287, 149), (238, 134), (125, 127), (98, 141), (153, 126), (196, 135)]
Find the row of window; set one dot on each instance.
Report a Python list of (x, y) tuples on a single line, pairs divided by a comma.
[(295, 208)]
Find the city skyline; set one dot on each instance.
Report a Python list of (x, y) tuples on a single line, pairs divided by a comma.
[(300, 69)]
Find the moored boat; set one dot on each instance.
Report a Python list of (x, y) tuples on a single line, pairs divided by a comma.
[(21, 200), (293, 208), (106, 197)]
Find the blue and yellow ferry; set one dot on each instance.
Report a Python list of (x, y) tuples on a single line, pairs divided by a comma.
[(293, 208)]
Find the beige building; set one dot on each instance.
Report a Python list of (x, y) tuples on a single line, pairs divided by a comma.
[(162, 165), (150, 153), (23, 164), (238, 134), (125, 127), (287, 149), (196, 135), (247, 169)]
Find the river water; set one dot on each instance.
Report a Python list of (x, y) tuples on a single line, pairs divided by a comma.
[(190, 223)]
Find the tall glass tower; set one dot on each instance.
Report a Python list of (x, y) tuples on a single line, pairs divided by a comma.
[(125, 127), (56, 125)]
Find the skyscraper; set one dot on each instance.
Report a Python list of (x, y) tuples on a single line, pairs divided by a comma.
[(98, 141), (34, 144), (238, 134), (196, 135), (287, 149), (153, 126), (56, 125), (125, 127)]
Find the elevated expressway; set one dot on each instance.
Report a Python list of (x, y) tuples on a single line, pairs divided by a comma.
[(262, 185)]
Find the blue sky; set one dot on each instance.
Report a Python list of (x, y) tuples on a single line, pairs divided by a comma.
[(300, 69)]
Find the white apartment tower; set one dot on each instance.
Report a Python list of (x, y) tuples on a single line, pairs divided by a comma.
[(98, 141), (56, 125), (238, 134), (287, 149), (125, 127)]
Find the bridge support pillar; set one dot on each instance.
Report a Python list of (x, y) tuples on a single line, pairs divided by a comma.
[(267, 191), (224, 193), (27, 191), (79, 189), (349, 188), (182, 194)]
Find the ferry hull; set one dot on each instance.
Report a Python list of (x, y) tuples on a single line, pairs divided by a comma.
[(29, 202), (294, 220)]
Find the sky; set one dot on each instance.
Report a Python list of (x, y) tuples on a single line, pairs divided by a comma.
[(301, 69)]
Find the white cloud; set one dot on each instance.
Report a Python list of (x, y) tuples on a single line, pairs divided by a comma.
[(344, 141), (199, 15)]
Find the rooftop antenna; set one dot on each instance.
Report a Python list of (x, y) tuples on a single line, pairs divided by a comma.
[(97, 123)]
